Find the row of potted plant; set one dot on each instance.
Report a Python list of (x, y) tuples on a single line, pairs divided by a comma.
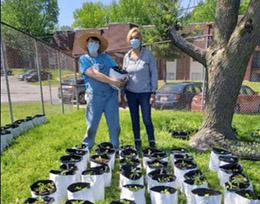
[(11, 131), (238, 188)]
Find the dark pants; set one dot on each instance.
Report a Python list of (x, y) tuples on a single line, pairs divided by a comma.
[(143, 100)]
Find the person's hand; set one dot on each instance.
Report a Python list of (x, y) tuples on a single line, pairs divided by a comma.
[(152, 99), (118, 83)]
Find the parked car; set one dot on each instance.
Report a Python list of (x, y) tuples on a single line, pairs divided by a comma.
[(33, 77), (22, 77), (176, 95), (69, 90), (8, 71), (248, 101)]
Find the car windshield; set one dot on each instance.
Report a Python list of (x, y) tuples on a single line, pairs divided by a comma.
[(175, 88)]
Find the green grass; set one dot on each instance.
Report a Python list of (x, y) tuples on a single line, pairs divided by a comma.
[(33, 154)]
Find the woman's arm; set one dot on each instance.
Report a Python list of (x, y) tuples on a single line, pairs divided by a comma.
[(153, 72)]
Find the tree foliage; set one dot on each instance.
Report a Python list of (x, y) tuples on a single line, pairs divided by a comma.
[(37, 17)]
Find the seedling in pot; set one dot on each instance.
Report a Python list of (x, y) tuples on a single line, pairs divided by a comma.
[(250, 195), (135, 173), (42, 187), (198, 180), (183, 164), (134, 187), (39, 200), (166, 191)]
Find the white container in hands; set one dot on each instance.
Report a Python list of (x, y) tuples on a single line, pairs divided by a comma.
[(119, 74), (133, 192), (163, 195), (81, 191)]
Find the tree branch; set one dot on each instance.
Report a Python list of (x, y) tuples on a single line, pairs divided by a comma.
[(187, 47), (226, 20)]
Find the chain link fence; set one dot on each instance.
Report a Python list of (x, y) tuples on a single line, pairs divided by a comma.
[(32, 73)]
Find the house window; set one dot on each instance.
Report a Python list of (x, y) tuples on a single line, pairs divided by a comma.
[(256, 60), (170, 76), (196, 76)]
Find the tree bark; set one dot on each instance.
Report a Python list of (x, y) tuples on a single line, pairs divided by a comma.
[(226, 61)]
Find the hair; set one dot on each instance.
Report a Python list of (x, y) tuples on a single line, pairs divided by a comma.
[(131, 32)]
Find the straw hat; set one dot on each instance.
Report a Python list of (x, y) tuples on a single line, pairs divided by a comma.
[(85, 36)]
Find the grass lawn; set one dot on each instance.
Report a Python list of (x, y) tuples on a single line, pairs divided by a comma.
[(33, 154)]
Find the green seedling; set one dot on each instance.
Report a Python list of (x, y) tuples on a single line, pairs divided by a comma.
[(45, 187), (134, 188)]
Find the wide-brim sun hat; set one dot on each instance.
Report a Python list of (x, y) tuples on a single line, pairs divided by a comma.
[(82, 41)]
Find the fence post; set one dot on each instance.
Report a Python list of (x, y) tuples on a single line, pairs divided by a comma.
[(5, 66), (76, 69), (39, 74), (49, 82), (60, 79)]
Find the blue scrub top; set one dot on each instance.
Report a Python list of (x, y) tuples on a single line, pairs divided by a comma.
[(103, 63)]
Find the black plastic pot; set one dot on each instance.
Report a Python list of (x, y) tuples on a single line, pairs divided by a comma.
[(252, 194), (75, 186), (183, 156), (63, 172), (205, 191), (18, 122), (123, 201), (13, 125), (5, 132), (46, 200), (234, 185), (106, 145), (192, 181), (122, 147), (160, 189), (228, 159), (28, 118), (128, 173), (194, 173), (128, 153), (220, 151), (82, 201), (185, 164), (71, 167), (134, 185), (130, 161), (149, 151), (98, 170), (180, 134), (179, 151), (70, 159), (77, 152), (232, 168), (159, 155), (81, 147), (34, 187), (104, 158), (101, 150), (157, 164), (162, 178), (158, 172)]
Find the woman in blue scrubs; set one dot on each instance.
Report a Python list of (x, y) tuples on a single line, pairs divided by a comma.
[(100, 96)]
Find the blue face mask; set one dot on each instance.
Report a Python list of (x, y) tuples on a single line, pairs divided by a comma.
[(135, 43), (93, 48)]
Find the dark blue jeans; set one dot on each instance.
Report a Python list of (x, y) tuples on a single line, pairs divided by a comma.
[(135, 100)]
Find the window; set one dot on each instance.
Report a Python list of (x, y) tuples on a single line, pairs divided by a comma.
[(256, 60), (170, 76), (196, 76)]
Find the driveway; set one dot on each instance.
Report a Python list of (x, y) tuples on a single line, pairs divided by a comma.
[(22, 91)]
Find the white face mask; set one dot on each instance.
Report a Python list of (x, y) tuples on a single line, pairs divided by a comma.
[(93, 48)]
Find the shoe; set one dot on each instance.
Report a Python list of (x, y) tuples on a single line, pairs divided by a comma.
[(152, 144), (138, 146)]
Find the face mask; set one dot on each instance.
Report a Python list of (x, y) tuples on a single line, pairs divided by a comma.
[(135, 43), (93, 48)]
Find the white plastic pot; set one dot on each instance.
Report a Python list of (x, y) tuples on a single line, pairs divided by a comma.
[(6, 139), (118, 74), (83, 194), (97, 183), (214, 158), (224, 175), (163, 198), (235, 198), (62, 182), (153, 183), (187, 188), (52, 194), (125, 181), (203, 199), (137, 196)]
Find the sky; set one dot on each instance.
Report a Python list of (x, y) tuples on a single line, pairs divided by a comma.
[(68, 6)]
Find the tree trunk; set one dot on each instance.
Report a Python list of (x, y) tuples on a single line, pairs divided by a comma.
[(226, 61)]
